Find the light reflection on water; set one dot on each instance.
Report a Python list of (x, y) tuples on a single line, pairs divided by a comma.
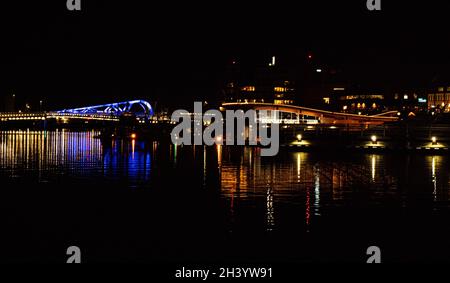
[(321, 183), (48, 151), (315, 183), (47, 155)]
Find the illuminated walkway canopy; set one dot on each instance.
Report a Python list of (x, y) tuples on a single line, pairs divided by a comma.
[(325, 117), (140, 108)]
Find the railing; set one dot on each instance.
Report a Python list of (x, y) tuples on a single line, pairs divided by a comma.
[(54, 115)]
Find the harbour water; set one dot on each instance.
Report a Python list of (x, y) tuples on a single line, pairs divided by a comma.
[(132, 200)]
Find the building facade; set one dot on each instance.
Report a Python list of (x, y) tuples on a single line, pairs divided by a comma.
[(439, 98), (263, 84)]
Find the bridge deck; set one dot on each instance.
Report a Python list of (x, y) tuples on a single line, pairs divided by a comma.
[(326, 117)]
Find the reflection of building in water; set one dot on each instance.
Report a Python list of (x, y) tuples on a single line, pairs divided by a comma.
[(270, 210), (435, 164), (296, 179), (433, 176), (317, 191), (374, 168)]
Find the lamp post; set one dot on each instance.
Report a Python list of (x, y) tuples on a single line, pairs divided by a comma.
[(434, 140), (374, 139)]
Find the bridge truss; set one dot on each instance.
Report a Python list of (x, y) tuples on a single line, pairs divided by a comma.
[(140, 108)]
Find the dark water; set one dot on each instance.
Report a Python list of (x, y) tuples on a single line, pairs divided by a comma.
[(153, 202)]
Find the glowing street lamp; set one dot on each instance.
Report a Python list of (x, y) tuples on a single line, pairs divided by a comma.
[(299, 137), (374, 139), (434, 140), (133, 136)]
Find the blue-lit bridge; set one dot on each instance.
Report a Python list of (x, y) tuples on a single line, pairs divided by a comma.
[(141, 109)]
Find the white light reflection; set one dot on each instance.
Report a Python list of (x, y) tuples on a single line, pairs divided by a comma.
[(434, 178), (316, 191), (270, 210), (204, 166), (374, 168)]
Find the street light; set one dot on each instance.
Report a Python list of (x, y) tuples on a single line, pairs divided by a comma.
[(299, 137), (374, 139), (434, 140)]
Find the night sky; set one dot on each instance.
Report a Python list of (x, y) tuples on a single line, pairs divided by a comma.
[(173, 53)]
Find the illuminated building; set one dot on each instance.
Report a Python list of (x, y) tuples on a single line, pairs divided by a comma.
[(439, 98), (364, 103), (266, 83), (409, 101), (284, 93), (350, 99)]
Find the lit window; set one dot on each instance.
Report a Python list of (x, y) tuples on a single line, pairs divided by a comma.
[(280, 102), (248, 88), (280, 89)]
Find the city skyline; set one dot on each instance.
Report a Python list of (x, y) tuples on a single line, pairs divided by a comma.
[(252, 136), (92, 56)]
